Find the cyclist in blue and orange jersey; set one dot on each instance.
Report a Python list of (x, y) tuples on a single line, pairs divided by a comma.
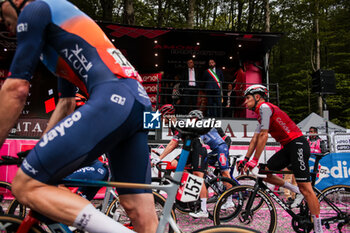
[(76, 50), (197, 157), (295, 150)]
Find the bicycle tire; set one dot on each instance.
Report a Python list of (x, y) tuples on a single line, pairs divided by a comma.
[(16, 208), (5, 189), (338, 195), (217, 187), (264, 219), (115, 207), (10, 224), (226, 229)]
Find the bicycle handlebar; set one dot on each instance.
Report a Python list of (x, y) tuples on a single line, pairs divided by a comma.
[(167, 168)]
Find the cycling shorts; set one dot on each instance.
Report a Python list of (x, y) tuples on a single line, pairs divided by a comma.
[(95, 171), (294, 155), (221, 157), (110, 122), (198, 157)]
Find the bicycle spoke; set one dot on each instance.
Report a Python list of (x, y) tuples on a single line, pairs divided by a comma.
[(262, 215), (339, 196)]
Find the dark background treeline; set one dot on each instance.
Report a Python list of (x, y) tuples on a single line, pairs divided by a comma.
[(316, 35)]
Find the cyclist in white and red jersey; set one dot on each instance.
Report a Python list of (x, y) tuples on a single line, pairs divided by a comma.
[(295, 150)]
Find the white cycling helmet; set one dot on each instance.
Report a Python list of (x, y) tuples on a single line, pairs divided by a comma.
[(196, 114), (256, 89)]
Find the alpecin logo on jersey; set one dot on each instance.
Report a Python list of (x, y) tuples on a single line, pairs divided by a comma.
[(78, 61), (60, 129)]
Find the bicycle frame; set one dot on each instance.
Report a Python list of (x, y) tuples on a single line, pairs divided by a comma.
[(260, 185), (170, 189)]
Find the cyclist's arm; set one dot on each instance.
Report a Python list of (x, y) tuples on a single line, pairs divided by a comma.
[(65, 106), (262, 132), (252, 145), (15, 90), (169, 148), (13, 95), (261, 140)]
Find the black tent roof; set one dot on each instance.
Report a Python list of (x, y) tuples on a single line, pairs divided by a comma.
[(166, 49)]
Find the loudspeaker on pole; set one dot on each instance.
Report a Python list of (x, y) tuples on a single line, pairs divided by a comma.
[(323, 82)]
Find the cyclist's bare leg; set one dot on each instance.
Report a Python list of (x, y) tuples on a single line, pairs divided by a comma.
[(56, 203), (313, 204), (62, 205), (226, 173), (141, 210), (310, 197), (204, 191), (275, 180)]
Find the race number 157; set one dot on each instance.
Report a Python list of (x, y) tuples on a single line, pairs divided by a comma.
[(190, 188)]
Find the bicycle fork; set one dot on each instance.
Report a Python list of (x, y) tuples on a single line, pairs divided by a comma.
[(246, 215)]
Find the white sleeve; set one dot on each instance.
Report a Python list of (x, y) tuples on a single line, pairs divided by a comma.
[(265, 114), (258, 128)]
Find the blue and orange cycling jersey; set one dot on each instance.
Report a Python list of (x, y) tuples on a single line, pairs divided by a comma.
[(76, 50), (69, 43)]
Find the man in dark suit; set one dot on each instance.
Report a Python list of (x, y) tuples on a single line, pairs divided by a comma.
[(229, 100), (213, 86), (190, 84)]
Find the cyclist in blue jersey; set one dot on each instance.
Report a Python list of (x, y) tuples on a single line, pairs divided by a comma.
[(75, 49), (219, 148)]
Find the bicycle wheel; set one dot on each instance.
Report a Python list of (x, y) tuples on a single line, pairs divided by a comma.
[(16, 208), (226, 229), (5, 196), (263, 218), (10, 224), (117, 212), (335, 208), (216, 187)]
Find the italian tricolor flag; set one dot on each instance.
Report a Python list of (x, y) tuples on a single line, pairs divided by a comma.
[(215, 77)]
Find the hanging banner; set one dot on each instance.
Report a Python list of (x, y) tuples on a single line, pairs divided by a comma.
[(334, 169), (151, 83), (342, 143)]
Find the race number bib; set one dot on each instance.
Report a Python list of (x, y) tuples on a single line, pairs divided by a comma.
[(190, 188), (119, 58)]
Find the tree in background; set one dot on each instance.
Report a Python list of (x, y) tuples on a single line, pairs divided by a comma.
[(292, 60)]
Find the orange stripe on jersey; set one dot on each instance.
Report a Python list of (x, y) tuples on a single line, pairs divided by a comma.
[(63, 70), (87, 29)]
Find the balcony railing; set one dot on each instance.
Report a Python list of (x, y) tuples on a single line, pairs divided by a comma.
[(186, 98)]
